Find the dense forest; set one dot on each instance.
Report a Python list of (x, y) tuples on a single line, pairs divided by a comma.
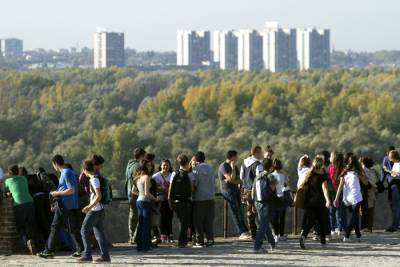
[(78, 112)]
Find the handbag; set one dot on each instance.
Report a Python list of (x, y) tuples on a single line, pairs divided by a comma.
[(299, 198)]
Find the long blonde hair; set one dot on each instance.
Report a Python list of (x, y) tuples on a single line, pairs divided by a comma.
[(317, 164)]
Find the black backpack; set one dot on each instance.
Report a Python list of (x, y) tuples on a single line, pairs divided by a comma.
[(46, 183), (181, 187)]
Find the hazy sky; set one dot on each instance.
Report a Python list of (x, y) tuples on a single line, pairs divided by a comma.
[(361, 25)]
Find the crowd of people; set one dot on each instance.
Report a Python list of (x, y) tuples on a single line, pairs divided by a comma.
[(337, 192)]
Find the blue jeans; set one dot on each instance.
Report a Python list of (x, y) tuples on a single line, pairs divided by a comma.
[(144, 225), (236, 208), (264, 228), (395, 206), (335, 217), (353, 220), (94, 221)]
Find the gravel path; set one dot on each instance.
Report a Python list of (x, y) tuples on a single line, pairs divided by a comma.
[(376, 249)]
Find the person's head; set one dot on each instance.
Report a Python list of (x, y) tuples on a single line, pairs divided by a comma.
[(22, 171), (98, 162), (256, 151), (149, 157), (144, 168), (333, 157), (88, 168), (353, 164), (277, 165), (200, 157), (390, 148), (318, 166), (232, 155), (166, 166), (41, 170), (13, 170), (305, 161), (183, 161), (193, 163), (139, 153), (394, 156), (347, 157), (367, 162), (268, 165), (58, 162), (326, 156), (268, 152)]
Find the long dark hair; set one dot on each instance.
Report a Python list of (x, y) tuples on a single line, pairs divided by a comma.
[(353, 165), (142, 169), (167, 161), (338, 165)]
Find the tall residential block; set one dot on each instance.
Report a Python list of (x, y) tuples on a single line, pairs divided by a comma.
[(109, 49), (279, 48), (193, 48), (226, 50), (250, 50), (313, 49), (12, 47)]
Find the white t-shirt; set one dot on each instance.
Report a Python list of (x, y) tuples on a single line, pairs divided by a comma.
[(164, 181), (352, 189), (95, 184), (302, 175), (281, 180)]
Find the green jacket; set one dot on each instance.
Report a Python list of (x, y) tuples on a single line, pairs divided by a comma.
[(130, 170)]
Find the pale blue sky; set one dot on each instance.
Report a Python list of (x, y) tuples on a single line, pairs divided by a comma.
[(361, 25)]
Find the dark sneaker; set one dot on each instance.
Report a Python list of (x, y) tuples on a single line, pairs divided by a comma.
[(391, 230), (76, 254), (31, 246), (102, 260), (181, 245), (46, 255), (302, 241), (84, 259), (210, 243)]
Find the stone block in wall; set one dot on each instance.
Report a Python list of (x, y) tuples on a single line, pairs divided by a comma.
[(9, 241)]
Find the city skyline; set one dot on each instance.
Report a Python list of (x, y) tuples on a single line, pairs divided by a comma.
[(151, 25)]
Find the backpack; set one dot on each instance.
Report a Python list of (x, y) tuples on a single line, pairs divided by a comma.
[(249, 174), (263, 190), (181, 187), (46, 183), (105, 189)]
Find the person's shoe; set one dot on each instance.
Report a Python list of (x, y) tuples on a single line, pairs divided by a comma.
[(31, 246), (84, 259), (333, 233), (210, 243), (245, 236), (45, 255), (198, 245), (346, 240), (328, 238), (337, 232), (316, 238), (260, 251), (181, 246), (101, 260), (302, 241), (391, 230), (282, 238), (272, 247), (276, 238), (76, 254)]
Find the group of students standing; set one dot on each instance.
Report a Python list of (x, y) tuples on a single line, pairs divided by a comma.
[(333, 189)]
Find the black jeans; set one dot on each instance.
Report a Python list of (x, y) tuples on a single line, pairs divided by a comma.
[(70, 219), (278, 217), (353, 220), (312, 215), (203, 219), (184, 213), (43, 214), (25, 221), (166, 219)]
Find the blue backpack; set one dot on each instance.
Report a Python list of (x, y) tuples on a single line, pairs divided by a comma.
[(263, 190)]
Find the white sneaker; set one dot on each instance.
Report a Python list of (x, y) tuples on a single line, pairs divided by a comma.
[(315, 238), (337, 231), (346, 240), (333, 233), (245, 236), (276, 239), (282, 238)]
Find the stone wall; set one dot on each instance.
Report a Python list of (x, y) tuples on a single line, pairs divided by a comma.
[(8, 232)]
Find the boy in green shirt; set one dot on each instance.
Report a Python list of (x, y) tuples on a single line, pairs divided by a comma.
[(17, 187)]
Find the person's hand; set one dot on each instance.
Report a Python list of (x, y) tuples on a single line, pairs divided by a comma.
[(336, 203), (328, 204), (53, 193), (86, 209)]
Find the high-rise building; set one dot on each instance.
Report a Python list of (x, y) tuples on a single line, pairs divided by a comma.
[(313, 49), (279, 48), (193, 48), (12, 47), (109, 49), (250, 50), (226, 50)]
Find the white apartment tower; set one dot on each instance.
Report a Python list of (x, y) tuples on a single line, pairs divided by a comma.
[(250, 50), (279, 48), (313, 49), (109, 49), (226, 50), (193, 48)]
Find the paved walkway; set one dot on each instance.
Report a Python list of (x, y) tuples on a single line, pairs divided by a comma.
[(376, 249)]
